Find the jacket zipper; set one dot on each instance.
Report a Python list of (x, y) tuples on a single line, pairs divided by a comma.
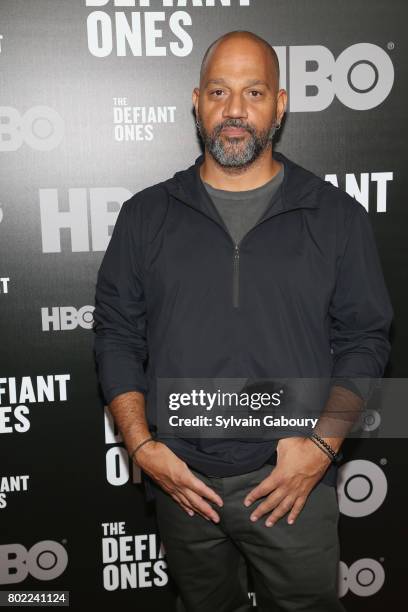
[(235, 259), (235, 277)]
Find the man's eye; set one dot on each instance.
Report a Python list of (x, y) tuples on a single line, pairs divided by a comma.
[(257, 93), (216, 91)]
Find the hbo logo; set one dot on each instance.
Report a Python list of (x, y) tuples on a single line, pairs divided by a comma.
[(66, 318), (361, 77), (362, 488), (41, 127), (45, 560), (364, 577)]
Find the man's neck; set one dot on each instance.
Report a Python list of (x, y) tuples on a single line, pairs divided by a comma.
[(256, 174)]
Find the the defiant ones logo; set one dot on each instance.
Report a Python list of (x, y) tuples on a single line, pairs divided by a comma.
[(131, 561), (137, 123), (10, 485), (17, 393), (145, 32)]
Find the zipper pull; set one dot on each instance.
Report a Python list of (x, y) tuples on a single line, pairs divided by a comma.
[(235, 278)]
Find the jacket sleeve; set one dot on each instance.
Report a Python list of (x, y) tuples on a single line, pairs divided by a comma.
[(360, 310), (120, 311)]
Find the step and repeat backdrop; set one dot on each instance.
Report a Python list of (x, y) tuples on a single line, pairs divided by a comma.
[(95, 106)]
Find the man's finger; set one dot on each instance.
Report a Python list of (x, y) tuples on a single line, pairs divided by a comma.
[(280, 511), (297, 508), (183, 505), (268, 504), (187, 503), (184, 501), (202, 489), (265, 487), (178, 497), (201, 506)]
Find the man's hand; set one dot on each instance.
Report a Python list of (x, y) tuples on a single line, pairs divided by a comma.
[(300, 465), (174, 476)]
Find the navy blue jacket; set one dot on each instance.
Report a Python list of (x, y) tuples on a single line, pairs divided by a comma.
[(302, 295)]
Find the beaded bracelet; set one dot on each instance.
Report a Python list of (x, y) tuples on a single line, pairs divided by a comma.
[(139, 445), (326, 452), (330, 452)]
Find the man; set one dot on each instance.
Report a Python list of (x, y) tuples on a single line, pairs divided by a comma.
[(243, 265)]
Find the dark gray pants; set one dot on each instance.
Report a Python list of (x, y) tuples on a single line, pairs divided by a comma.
[(292, 567)]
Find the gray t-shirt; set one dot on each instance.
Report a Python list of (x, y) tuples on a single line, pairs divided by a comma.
[(240, 210)]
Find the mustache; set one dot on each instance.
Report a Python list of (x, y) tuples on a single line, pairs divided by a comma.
[(233, 123)]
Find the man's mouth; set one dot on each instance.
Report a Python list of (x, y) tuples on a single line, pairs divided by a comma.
[(234, 131)]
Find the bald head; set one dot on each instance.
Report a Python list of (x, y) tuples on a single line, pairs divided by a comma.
[(238, 36)]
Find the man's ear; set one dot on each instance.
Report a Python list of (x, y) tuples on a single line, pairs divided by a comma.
[(281, 104), (195, 97)]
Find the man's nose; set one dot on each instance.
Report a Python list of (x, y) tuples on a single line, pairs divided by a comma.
[(235, 106)]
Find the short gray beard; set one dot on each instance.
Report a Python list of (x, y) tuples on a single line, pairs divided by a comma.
[(230, 156)]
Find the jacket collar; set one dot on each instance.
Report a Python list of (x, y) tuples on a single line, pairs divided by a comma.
[(298, 189)]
